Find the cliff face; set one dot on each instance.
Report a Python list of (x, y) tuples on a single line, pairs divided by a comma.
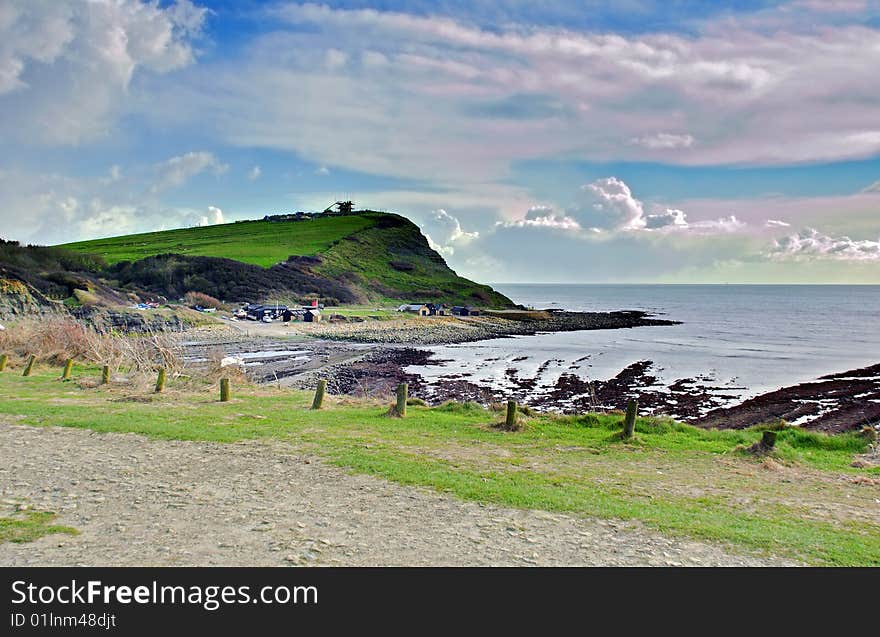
[(17, 299), (392, 259)]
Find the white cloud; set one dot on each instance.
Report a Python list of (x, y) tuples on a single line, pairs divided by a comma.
[(775, 223), (214, 216), (736, 91), (726, 224), (671, 217), (51, 208), (66, 66), (664, 141), (322, 170), (543, 217), (812, 244), (875, 187), (176, 171), (608, 204), (444, 232), (254, 173)]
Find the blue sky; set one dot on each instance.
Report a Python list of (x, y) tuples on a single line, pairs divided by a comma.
[(611, 141)]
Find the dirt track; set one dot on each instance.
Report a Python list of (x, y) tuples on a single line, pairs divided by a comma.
[(142, 502)]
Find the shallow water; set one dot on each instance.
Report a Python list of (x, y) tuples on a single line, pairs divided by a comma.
[(745, 337)]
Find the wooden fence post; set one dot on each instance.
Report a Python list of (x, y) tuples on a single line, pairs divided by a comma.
[(318, 401), (510, 420), (160, 381), (402, 391), (105, 375), (224, 390), (68, 368), (3, 360), (29, 367), (629, 423)]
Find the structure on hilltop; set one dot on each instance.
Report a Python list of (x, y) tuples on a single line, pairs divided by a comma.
[(342, 207)]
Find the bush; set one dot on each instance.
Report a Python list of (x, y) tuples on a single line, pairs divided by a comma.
[(203, 300)]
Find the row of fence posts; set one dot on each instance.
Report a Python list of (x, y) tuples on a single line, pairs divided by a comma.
[(398, 410)]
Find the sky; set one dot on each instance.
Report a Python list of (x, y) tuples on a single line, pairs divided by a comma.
[(633, 141)]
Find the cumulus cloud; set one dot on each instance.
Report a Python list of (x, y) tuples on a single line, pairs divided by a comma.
[(812, 244), (608, 204), (671, 217), (213, 217), (52, 208), (543, 217), (254, 173), (444, 232), (66, 66), (176, 171)]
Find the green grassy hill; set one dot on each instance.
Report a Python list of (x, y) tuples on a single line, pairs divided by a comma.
[(366, 257), (262, 243)]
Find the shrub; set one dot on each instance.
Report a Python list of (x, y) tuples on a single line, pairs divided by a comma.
[(203, 300)]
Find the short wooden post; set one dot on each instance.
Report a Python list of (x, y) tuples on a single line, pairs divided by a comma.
[(510, 421), (105, 375), (318, 401), (3, 360), (160, 381), (768, 439), (402, 391), (224, 390), (29, 367), (629, 422), (68, 368)]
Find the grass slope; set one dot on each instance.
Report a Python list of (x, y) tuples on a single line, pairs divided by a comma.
[(262, 243), (366, 257), (393, 259), (809, 503)]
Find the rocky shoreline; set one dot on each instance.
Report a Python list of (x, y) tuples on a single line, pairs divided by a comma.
[(368, 359), (450, 330)]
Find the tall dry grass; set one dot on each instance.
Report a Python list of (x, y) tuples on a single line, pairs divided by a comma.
[(54, 339)]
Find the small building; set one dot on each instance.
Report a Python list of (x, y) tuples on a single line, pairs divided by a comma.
[(259, 312), (438, 309), (311, 315), (465, 310), (415, 308)]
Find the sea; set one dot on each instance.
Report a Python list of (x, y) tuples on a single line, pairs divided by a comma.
[(748, 338)]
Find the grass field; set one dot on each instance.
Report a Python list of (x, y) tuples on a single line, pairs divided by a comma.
[(806, 503), (262, 243)]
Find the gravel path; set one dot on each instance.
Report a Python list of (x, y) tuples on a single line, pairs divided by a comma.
[(144, 502)]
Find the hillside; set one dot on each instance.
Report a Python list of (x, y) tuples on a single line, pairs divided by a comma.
[(366, 257), (262, 243)]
